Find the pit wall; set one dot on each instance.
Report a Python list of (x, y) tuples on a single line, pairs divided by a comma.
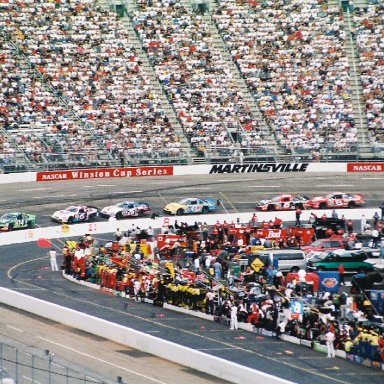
[(206, 169)]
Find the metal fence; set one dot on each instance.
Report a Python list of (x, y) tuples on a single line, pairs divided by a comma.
[(24, 366)]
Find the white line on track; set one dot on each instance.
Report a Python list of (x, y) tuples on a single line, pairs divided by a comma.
[(226, 180), (195, 188), (372, 178), (30, 379), (334, 186), (89, 186), (34, 189), (133, 191), (3, 200), (106, 185), (14, 328), (263, 186), (69, 195), (101, 360)]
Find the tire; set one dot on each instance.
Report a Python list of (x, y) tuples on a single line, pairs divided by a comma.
[(29, 224), (179, 212), (205, 210), (322, 205), (140, 213), (295, 269), (10, 227), (270, 208), (70, 220), (119, 215), (301, 206), (351, 204)]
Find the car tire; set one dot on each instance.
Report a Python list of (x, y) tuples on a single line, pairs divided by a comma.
[(29, 224), (119, 216), (351, 204), (10, 227), (322, 205), (180, 212), (205, 210), (140, 213), (270, 208), (70, 220)]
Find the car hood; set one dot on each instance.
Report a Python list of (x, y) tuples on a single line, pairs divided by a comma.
[(111, 208), (173, 206), (263, 202), (5, 221), (62, 212)]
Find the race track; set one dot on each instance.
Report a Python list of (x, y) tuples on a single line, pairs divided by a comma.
[(24, 268)]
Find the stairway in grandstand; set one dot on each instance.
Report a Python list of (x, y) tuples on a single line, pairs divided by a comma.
[(21, 161), (365, 148), (125, 17)]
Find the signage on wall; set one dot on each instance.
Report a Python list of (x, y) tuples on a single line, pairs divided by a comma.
[(104, 173), (259, 167)]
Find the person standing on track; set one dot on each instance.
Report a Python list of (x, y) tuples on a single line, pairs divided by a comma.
[(52, 258)]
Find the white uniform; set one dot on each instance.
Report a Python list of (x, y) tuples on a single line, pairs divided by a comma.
[(329, 339), (234, 324), (52, 259)]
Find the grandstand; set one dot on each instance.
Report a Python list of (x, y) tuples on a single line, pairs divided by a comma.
[(145, 82)]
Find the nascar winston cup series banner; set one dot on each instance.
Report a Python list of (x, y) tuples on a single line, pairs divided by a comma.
[(104, 173)]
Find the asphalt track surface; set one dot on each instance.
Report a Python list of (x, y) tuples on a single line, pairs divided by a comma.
[(24, 268)]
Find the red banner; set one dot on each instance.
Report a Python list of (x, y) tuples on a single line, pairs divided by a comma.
[(104, 173), (365, 167)]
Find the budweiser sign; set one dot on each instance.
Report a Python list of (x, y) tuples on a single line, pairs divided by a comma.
[(104, 173)]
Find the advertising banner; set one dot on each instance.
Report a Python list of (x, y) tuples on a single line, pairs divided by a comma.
[(297, 309), (329, 281), (365, 167), (104, 173)]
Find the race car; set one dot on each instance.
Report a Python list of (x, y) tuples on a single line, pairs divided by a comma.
[(125, 209), (283, 202), (191, 205), (336, 200), (16, 220), (75, 214)]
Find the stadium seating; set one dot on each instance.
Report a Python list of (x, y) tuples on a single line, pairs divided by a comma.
[(370, 44), (89, 102), (291, 54)]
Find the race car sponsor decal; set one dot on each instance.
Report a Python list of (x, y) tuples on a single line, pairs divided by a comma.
[(103, 173), (259, 167), (365, 167)]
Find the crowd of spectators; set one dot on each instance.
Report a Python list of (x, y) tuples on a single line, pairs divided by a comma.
[(369, 30), (195, 75), (292, 55), (199, 270), (83, 53)]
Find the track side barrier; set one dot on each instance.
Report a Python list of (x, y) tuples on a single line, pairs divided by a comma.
[(185, 356)]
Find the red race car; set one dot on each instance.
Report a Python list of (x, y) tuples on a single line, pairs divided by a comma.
[(336, 200), (284, 202)]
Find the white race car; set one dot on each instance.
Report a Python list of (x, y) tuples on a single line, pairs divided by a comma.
[(75, 214), (125, 209)]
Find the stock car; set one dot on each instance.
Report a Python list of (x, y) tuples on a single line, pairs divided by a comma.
[(336, 200), (16, 220), (125, 209), (75, 214), (191, 205), (285, 202)]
